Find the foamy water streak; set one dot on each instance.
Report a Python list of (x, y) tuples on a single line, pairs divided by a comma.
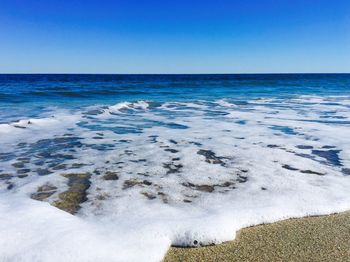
[(181, 173)]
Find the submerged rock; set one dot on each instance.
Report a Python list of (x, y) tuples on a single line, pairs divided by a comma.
[(210, 157), (203, 188), (42, 195), (46, 187), (312, 172), (71, 199), (209, 188), (288, 167), (43, 192), (149, 195), (146, 182), (110, 176), (131, 183)]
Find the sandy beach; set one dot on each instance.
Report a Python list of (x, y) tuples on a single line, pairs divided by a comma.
[(322, 238)]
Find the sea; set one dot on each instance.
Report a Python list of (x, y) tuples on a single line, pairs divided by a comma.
[(121, 167)]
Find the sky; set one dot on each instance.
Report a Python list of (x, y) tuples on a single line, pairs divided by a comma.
[(178, 36)]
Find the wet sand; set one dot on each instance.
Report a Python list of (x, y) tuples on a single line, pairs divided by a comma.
[(323, 238)]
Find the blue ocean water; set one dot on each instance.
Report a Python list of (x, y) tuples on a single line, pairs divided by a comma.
[(28, 95), (127, 98), (145, 161), (70, 89), (131, 104)]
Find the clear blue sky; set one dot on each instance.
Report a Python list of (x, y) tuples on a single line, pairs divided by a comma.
[(178, 36)]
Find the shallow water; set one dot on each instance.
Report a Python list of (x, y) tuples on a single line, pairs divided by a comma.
[(160, 160)]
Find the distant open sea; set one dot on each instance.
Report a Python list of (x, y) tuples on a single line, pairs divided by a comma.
[(148, 161)]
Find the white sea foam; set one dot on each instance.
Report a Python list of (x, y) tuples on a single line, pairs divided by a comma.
[(189, 174), (117, 108)]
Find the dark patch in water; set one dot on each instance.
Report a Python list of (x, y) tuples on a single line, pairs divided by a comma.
[(21, 145), (175, 126), (110, 176), (241, 122), (17, 126), (284, 129), (7, 156), (216, 113), (195, 143), (128, 152), (71, 199), (172, 168), (102, 147), (44, 192), (10, 185), (77, 165), (146, 182), (272, 146), (24, 159), (58, 167), (332, 156), (171, 150), (326, 122), (304, 155), (173, 141), (23, 171), (131, 183), (328, 147), (288, 167), (304, 147), (149, 195), (242, 179), (43, 172), (208, 188), (124, 141), (334, 117), (210, 157), (18, 165), (94, 112), (5, 176), (312, 172), (346, 171), (203, 188)]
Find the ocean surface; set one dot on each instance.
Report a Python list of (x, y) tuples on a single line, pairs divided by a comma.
[(148, 161)]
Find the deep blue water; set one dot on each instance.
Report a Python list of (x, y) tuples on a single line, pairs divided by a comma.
[(27, 95), (72, 89)]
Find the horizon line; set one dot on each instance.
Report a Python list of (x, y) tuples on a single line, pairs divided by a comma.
[(258, 73)]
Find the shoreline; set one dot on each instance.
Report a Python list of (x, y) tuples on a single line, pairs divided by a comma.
[(314, 238)]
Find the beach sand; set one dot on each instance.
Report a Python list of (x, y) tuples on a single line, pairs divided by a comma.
[(322, 238)]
